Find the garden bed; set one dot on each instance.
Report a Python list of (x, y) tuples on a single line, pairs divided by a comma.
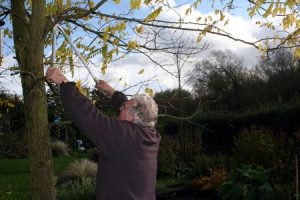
[(184, 193)]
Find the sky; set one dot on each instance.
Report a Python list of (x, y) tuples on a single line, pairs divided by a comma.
[(125, 72)]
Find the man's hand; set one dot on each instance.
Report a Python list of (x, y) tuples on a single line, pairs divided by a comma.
[(105, 87), (53, 75)]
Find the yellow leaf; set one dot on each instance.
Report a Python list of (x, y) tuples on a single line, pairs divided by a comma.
[(105, 35), (268, 11), (147, 2), (131, 45), (120, 26), (135, 4), (117, 1), (152, 16), (195, 4), (139, 29), (59, 4), (297, 52), (189, 10), (222, 16), (283, 11), (263, 50), (78, 84), (199, 38), (123, 26), (103, 68), (226, 22), (69, 3), (260, 48), (149, 91), (141, 71), (115, 41), (80, 88), (208, 28), (91, 4)]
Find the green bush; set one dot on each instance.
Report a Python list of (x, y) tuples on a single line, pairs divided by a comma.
[(167, 161), (255, 147), (78, 170), (60, 149), (82, 189), (284, 170), (190, 145), (177, 153), (13, 144), (247, 183), (204, 164)]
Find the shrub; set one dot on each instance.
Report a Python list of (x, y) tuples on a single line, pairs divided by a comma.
[(247, 183), (190, 145), (284, 170), (60, 149), (13, 144), (204, 165), (166, 160), (82, 189), (212, 182), (177, 153), (78, 170), (256, 147)]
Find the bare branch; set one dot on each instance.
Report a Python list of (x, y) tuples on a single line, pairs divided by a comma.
[(166, 24), (140, 83)]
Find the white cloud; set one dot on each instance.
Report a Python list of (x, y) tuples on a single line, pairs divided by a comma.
[(9, 82), (128, 68)]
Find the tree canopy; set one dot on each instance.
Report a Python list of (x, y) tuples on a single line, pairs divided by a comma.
[(108, 31)]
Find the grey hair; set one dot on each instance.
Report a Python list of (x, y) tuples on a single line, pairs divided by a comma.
[(144, 110)]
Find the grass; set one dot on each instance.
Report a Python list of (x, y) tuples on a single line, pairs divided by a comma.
[(15, 179), (14, 175)]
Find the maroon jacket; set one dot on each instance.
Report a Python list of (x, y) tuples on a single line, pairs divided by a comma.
[(127, 164)]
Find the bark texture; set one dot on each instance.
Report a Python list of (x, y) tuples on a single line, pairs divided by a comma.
[(29, 41)]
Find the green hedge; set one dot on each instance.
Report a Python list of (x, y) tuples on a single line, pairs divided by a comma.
[(219, 128)]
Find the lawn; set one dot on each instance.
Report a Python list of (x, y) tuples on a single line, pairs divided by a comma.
[(14, 173), (14, 179)]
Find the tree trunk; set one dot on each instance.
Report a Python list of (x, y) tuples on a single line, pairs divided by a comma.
[(29, 44)]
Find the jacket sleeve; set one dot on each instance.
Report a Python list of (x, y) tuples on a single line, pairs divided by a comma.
[(106, 133), (118, 99)]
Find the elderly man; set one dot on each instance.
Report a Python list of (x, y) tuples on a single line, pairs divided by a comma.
[(128, 145)]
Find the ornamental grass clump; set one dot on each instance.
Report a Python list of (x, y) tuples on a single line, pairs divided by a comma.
[(60, 149), (78, 170), (83, 189)]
